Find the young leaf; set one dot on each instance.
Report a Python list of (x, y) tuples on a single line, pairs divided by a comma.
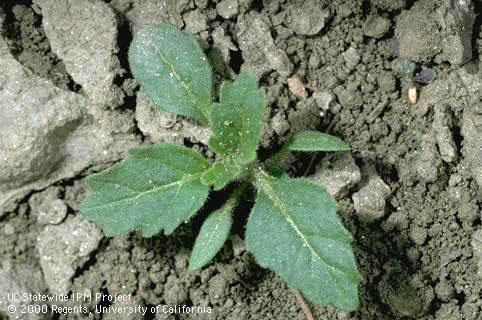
[(215, 231), (173, 70), (237, 120), (220, 174), (154, 188), (315, 141), (293, 229), (211, 237)]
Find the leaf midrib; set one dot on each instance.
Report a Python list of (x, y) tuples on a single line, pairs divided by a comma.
[(140, 194), (212, 235), (268, 189), (184, 85), (245, 125)]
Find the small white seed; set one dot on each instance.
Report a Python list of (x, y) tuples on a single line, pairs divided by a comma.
[(412, 95)]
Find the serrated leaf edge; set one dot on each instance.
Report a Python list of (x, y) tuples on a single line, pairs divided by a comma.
[(244, 157), (204, 109), (266, 187)]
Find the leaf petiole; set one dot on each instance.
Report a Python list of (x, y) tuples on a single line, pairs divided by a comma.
[(272, 164)]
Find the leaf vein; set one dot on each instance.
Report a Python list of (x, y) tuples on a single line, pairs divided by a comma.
[(155, 189), (279, 204), (184, 85)]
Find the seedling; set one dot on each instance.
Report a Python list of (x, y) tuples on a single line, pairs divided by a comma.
[(293, 227)]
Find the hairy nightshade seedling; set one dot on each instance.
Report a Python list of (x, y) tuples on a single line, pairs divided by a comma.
[(293, 227)]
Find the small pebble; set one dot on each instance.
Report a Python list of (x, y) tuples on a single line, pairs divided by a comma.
[(228, 8), (296, 86), (376, 26), (8, 229), (425, 76), (352, 57), (323, 99)]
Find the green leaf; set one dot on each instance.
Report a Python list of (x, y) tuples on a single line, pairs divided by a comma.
[(173, 70), (316, 141), (215, 230), (220, 174), (154, 188), (294, 230), (211, 237), (237, 121)]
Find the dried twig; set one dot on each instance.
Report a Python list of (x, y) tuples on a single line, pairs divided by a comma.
[(304, 306)]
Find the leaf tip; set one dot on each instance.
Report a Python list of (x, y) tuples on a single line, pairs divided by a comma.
[(193, 266)]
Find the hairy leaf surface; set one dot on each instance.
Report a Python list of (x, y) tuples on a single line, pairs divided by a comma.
[(211, 237), (294, 230), (221, 173), (316, 141), (173, 70), (155, 188), (237, 121)]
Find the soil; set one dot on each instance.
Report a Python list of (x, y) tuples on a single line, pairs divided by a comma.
[(410, 192)]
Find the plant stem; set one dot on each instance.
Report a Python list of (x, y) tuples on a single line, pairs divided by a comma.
[(309, 165), (273, 162), (258, 174), (237, 194), (304, 306)]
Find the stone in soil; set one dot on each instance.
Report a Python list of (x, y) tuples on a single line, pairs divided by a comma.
[(442, 126), (163, 126), (338, 173), (279, 123), (296, 86), (307, 17), (228, 8), (65, 247), (148, 12), (195, 22), (54, 134), (352, 57), (323, 99), (47, 207), (84, 35), (452, 42), (369, 201), (38, 119), (260, 53), (223, 43), (376, 26)]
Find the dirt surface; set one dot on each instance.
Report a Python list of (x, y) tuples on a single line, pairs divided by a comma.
[(410, 191)]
